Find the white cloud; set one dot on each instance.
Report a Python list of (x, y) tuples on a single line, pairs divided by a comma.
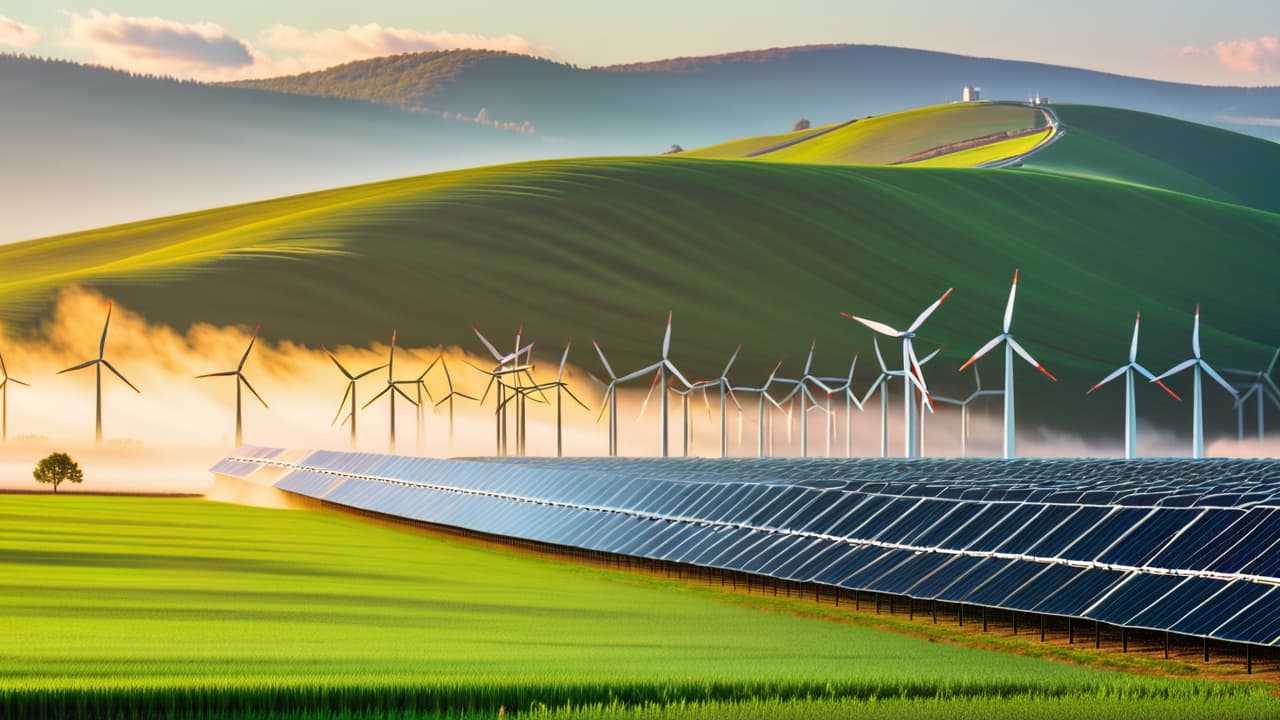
[(158, 45), (207, 51), (310, 50), (17, 34), (1259, 56)]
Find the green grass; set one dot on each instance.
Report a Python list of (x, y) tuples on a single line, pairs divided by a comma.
[(745, 146), (892, 138), (135, 604), (765, 254), (1157, 151)]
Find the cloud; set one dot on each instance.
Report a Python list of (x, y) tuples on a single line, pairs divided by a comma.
[(1187, 51), (158, 45), (1256, 56), (207, 51), (17, 34), (322, 48)]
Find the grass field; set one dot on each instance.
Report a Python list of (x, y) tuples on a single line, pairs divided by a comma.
[(892, 138), (135, 604)]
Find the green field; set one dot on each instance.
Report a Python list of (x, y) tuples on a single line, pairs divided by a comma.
[(894, 138), (759, 253), (136, 602)]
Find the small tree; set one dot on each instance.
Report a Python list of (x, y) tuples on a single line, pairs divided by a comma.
[(801, 124), (57, 469)]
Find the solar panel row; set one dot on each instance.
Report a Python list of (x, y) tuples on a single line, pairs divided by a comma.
[(1037, 539)]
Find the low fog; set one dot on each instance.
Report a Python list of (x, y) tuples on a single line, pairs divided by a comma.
[(164, 439)]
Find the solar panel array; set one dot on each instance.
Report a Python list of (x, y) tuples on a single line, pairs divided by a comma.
[(1191, 547)]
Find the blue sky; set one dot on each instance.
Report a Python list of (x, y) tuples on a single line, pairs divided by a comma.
[(1232, 42)]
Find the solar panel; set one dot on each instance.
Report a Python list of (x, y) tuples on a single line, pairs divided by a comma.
[(1187, 546)]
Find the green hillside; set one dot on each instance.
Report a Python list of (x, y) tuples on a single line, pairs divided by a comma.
[(1162, 152), (901, 137), (760, 253)]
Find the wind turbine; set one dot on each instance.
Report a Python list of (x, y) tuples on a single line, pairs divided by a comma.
[(763, 392), (1198, 364), (882, 384), (4, 397), (238, 374), (1262, 386), (801, 390), (99, 362), (664, 368), (1130, 401), (726, 392), (393, 388), (912, 378), (350, 392), (506, 365), (450, 394), (1010, 347), (610, 401), (850, 400), (964, 408), (561, 388)]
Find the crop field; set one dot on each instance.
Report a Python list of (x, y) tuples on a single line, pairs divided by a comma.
[(139, 606)]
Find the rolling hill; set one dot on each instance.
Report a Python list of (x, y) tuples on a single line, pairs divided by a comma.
[(763, 253), (954, 135)]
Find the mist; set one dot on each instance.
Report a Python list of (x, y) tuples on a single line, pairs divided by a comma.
[(164, 439)]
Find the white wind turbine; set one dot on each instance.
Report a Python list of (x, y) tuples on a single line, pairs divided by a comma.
[(238, 374), (1130, 400), (663, 368), (4, 398), (763, 392), (800, 389), (726, 392), (1262, 388), (610, 401), (850, 400), (506, 365), (882, 384), (450, 392), (1198, 364), (1010, 347), (561, 388), (100, 361), (964, 408), (913, 379)]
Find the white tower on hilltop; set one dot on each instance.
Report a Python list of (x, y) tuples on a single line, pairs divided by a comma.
[(971, 94)]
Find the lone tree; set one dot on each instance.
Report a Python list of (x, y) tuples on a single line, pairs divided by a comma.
[(57, 469), (801, 124)]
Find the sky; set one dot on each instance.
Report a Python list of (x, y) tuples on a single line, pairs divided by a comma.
[(1230, 42)]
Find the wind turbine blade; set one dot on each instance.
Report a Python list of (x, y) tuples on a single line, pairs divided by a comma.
[(733, 397), (102, 344), (1174, 370), (917, 374), (666, 338), (929, 311), (342, 405), (1027, 356), (218, 374), (772, 374), (677, 373), (1133, 345), (569, 392), (1008, 309), (347, 419), (245, 380), (876, 326), (604, 404), (4, 370), (637, 374), (809, 361), (404, 395), (1271, 367), (340, 367), (1107, 379), (729, 364), (982, 351), (852, 367), (932, 355), (648, 395), (81, 366), (366, 372), (564, 359), (1195, 334), (374, 399), (487, 345), (1147, 374), (16, 380), (707, 402), (1214, 374), (874, 386), (244, 358), (879, 358), (608, 368), (122, 377)]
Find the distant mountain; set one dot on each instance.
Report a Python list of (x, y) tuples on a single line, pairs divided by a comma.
[(645, 107), (88, 146)]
